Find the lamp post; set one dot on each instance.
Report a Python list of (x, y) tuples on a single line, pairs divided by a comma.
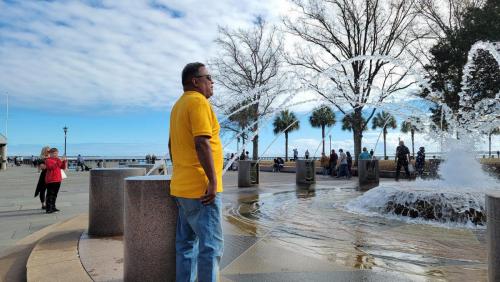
[(65, 128), (330, 143)]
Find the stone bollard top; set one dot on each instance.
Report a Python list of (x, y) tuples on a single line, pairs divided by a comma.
[(493, 194), (114, 168), (150, 177)]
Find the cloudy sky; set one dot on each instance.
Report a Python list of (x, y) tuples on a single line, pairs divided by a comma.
[(110, 71)]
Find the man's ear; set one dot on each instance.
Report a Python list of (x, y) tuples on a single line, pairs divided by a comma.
[(193, 81)]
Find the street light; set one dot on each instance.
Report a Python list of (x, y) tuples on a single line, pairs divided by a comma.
[(330, 143), (65, 128)]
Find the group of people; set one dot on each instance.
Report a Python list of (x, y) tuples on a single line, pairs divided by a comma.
[(278, 164), (403, 160), (151, 159), (339, 165), (15, 161), (51, 175), (245, 155)]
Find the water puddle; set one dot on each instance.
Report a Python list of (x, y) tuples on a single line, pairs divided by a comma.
[(317, 222)]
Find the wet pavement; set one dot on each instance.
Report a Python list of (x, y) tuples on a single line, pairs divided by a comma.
[(282, 232), (311, 224)]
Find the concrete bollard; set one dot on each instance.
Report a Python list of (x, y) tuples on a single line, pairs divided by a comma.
[(493, 235), (248, 173), (368, 174), (106, 199), (149, 236), (305, 172)]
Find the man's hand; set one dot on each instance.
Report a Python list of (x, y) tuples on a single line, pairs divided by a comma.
[(210, 194)]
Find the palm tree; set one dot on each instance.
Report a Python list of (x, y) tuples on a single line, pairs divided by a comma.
[(285, 122), (494, 131), (322, 116), (347, 122), (408, 126), (384, 120)]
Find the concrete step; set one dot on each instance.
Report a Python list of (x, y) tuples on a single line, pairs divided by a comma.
[(55, 257), (13, 261)]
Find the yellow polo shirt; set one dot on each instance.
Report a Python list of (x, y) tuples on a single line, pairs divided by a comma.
[(191, 116)]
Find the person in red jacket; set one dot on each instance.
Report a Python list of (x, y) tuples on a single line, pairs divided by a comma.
[(53, 178)]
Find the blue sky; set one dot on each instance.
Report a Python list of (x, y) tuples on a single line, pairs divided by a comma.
[(110, 71)]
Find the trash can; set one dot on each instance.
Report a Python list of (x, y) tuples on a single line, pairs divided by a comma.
[(248, 173), (305, 171), (368, 174)]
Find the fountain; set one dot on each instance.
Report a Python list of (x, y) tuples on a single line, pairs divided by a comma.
[(458, 197)]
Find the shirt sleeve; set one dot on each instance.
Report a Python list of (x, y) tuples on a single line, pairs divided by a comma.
[(200, 116)]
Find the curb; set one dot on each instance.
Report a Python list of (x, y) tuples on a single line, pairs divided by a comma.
[(55, 257)]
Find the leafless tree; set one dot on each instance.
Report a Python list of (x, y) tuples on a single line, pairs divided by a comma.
[(249, 68), (332, 32), (440, 18), (443, 16)]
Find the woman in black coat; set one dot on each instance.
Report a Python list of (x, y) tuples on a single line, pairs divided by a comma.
[(41, 187)]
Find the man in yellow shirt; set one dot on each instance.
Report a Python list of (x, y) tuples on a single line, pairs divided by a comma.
[(196, 154)]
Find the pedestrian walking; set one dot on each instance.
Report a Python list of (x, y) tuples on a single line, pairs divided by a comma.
[(343, 171), (41, 186), (349, 162), (402, 159), (364, 155), (333, 163), (325, 163), (80, 162), (420, 161)]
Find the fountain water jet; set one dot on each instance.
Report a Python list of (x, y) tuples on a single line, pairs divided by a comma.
[(458, 197)]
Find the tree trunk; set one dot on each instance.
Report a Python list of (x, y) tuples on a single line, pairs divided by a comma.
[(413, 143), (489, 145), (255, 144), (255, 141), (385, 154), (323, 137), (286, 146), (357, 132)]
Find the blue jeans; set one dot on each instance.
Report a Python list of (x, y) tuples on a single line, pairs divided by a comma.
[(198, 240), (344, 171)]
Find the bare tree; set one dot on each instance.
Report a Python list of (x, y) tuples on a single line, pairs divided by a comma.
[(442, 17), (249, 67), (344, 51), (439, 19)]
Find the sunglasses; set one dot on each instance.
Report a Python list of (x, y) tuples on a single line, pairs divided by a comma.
[(208, 76)]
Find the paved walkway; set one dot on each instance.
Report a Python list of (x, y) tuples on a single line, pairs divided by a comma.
[(21, 213), (277, 232)]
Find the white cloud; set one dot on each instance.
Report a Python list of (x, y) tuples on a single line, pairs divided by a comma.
[(119, 54)]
